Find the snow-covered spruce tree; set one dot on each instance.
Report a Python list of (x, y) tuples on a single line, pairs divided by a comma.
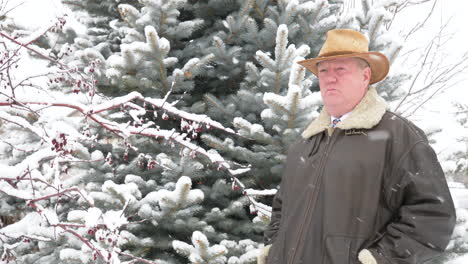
[(67, 191), (459, 170), (136, 166)]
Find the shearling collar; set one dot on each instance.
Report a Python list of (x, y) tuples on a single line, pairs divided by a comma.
[(365, 115)]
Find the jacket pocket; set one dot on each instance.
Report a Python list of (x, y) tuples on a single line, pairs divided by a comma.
[(341, 249)]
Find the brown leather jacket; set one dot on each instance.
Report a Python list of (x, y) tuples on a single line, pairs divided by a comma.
[(371, 183)]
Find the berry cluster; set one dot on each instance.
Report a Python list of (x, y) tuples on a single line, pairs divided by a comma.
[(7, 256), (58, 26), (59, 144), (146, 161), (109, 159)]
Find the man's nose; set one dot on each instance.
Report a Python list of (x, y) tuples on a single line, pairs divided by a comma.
[(329, 77)]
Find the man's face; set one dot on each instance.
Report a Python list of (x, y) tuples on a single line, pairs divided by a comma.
[(343, 83)]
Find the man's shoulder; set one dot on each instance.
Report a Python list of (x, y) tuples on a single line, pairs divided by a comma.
[(301, 142), (400, 124)]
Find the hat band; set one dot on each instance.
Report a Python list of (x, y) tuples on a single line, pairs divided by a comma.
[(338, 53)]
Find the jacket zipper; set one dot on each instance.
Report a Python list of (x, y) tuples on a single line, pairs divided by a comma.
[(309, 207)]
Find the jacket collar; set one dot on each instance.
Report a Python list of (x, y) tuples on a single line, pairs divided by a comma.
[(365, 115)]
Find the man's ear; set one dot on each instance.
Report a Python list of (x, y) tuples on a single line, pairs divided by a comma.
[(367, 73)]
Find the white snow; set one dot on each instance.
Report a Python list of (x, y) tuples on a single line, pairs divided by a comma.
[(92, 217), (114, 219)]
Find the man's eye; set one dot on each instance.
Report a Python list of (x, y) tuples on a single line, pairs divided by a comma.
[(340, 69), (322, 70)]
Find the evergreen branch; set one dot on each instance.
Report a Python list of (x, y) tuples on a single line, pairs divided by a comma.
[(259, 11), (394, 54), (375, 27), (85, 241), (366, 6), (68, 2), (243, 15), (245, 10), (15, 147), (162, 21), (277, 82), (279, 107), (261, 192), (265, 60), (263, 208), (37, 238), (21, 122), (60, 193), (137, 258), (213, 101), (162, 70), (293, 112), (281, 45)]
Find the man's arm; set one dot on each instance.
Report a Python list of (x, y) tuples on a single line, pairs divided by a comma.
[(425, 216), (273, 227)]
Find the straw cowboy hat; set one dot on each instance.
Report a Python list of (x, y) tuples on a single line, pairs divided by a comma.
[(347, 43)]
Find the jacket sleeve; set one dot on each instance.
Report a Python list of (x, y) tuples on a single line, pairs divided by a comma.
[(271, 232), (424, 214), (273, 227)]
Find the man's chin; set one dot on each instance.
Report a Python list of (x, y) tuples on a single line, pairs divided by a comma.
[(333, 102)]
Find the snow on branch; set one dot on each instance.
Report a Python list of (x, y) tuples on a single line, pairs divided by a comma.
[(37, 178), (253, 192), (200, 251)]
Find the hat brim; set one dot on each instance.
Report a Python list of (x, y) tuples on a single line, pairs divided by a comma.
[(378, 63)]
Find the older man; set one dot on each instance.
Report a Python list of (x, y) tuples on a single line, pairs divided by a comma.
[(362, 185)]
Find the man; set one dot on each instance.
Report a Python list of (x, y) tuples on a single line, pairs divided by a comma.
[(362, 185)]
